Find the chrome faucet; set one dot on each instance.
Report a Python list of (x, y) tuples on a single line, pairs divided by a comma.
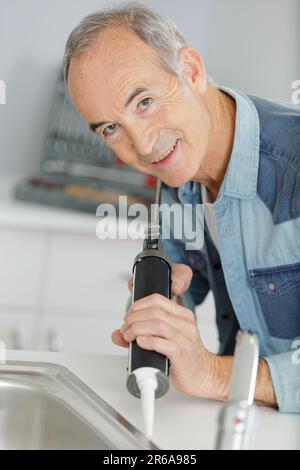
[(236, 420)]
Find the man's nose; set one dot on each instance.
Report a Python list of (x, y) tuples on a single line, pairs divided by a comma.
[(143, 140)]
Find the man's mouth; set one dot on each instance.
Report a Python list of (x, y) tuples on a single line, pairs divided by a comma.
[(164, 159)]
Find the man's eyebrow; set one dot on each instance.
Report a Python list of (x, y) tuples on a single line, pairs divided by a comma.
[(135, 93), (94, 125)]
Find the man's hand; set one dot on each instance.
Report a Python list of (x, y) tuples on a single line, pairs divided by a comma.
[(181, 280), (161, 325)]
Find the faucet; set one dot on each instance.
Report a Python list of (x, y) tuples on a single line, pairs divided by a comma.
[(236, 419)]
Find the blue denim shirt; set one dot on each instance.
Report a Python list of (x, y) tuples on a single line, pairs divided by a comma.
[(255, 274)]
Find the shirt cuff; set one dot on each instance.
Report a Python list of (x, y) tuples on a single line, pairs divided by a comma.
[(285, 374)]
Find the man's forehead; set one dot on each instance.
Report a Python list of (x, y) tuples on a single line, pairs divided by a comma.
[(117, 64), (120, 46), (118, 54)]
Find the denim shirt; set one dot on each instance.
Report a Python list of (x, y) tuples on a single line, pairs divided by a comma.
[(255, 273)]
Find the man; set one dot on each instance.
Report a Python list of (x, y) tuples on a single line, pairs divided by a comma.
[(145, 91)]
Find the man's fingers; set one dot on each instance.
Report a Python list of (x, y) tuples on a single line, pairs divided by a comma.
[(118, 339), (157, 300), (159, 317), (152, 328), (130, 284), (181, 278), (160, 345)]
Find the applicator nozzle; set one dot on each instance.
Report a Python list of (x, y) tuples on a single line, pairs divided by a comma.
[(147, 383)]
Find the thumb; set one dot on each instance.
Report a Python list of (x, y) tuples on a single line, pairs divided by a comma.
[(118, 339), (181, 278), (130, 284)]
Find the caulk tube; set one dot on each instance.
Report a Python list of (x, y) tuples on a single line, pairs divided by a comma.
[(148, 371)]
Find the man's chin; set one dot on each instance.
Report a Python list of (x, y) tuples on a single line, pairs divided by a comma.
[(175, 181)]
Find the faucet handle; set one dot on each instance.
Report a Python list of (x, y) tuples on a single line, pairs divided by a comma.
[(236, 420), (244, 372)]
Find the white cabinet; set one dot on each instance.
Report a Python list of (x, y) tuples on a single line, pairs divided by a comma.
[(83, 333), (89, 275), (17, 329), (63, 291), (22, 255)]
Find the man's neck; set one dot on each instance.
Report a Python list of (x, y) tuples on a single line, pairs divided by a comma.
[(222, 109)]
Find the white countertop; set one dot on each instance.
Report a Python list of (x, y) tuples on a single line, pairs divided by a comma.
[(33, 216), (19, 214), (182, 422)]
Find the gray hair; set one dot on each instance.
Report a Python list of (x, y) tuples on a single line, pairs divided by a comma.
[(158, 32)]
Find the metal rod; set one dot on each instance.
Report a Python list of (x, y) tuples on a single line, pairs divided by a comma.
[(158, 192), (155, 221)]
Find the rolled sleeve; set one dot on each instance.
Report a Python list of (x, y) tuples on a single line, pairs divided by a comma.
[(285, 374)]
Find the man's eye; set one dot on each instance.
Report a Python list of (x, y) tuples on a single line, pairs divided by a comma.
[(145, 103), (109, 130)]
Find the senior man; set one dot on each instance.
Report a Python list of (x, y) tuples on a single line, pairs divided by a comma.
[(145, 91)]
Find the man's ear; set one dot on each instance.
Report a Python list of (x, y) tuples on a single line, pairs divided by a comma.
[(192, 68)]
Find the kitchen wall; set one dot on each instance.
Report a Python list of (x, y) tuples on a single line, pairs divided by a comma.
[(254, 46)]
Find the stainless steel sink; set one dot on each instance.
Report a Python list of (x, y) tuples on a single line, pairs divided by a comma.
[(45, 406)]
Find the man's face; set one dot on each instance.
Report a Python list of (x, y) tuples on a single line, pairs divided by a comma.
[(143, 112)]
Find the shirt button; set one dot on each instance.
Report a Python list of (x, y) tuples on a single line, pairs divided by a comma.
[(272, 286)]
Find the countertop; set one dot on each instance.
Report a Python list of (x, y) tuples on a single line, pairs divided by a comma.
[(182, 422), (25, 215)]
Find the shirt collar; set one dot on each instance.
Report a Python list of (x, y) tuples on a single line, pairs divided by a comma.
[(240, 180)]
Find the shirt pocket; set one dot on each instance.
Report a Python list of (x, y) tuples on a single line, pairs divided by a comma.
[(278, 291)]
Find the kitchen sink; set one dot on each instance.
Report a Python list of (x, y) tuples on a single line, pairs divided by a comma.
[(45, 406)]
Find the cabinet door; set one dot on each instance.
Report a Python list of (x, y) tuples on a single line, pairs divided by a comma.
[(87, 274), (21, 263), (82, 333), (17, 329)]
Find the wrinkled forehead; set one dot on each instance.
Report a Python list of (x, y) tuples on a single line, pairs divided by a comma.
[(117, 62)]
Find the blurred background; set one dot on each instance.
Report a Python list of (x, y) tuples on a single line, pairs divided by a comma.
[(61, 288)]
